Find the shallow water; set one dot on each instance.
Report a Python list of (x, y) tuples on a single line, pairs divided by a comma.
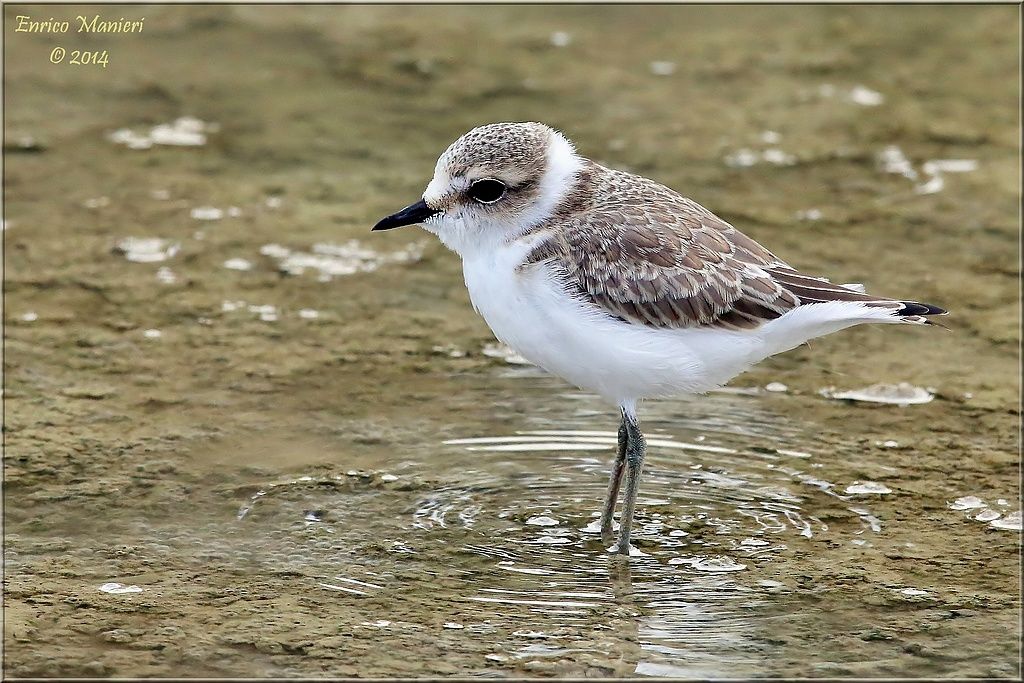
[(245, 437), (311, 547)]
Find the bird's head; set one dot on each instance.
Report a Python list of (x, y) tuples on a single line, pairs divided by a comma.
[(492, 184)]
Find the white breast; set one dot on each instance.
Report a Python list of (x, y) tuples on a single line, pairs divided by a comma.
[(528, 310)]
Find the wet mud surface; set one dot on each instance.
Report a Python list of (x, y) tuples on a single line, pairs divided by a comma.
[(271, 443)]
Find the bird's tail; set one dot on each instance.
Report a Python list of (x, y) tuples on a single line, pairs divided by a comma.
[(814, 290), (917, 313)]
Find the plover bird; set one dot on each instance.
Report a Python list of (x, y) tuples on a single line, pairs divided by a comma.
[(618, 284)]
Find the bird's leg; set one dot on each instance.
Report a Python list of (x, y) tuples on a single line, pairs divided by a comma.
[(636, 448), (613, 484)]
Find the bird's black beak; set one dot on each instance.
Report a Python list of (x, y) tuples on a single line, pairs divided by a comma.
[(410, 215)]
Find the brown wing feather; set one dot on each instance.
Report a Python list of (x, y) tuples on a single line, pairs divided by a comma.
[(658, 259)]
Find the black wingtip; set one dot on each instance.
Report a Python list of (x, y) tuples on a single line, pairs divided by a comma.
[(917, 308)]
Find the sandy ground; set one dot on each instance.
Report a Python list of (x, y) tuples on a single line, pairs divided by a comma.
[(248, 425)]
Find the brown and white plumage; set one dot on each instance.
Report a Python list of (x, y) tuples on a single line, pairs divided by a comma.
[(651, 293), (619, 284), (649, 256)]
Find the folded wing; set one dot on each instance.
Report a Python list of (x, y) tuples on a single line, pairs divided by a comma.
[(670, 263)]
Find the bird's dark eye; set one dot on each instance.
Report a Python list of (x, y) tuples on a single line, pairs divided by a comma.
[(487, 190)]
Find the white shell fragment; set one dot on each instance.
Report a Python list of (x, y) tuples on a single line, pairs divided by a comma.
[(207, 213), (186, 131), (716, 564), (542, 520), (745, 157), (662, 68), (893, 160), (866, 97), (331, 260), (238, 264), (987, 515), (967, 503), (561, 39), (147, 249), (119, 589), (166, 276), (1011, 522), (902, 394), (867, 487), (937, 166), (492, 350)]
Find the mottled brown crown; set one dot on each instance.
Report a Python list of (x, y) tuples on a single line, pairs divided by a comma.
[(495, 147)]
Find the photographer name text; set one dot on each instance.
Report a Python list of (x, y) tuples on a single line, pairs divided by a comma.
[(80, 24)]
